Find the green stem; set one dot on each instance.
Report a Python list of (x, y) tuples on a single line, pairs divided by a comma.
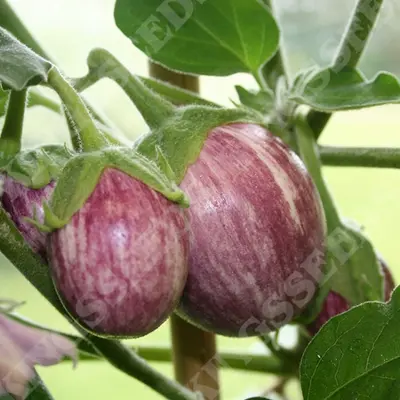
[(373, 157), (13, 246), (37, 99), (309, 153), (11, 135), (129, 362), (230, 360), (357, 33), (275, 67), (350, 49), (154, 109), (90, 137)]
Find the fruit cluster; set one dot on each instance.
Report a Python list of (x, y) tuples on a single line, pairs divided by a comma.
[(234, 262)]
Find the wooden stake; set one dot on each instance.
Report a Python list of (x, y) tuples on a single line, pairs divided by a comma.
[(194, 350)]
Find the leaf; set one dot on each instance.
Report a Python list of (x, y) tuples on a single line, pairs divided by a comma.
[(218, 37), (37, 390), (358, 277), (355, 355), (261, 101), (19, 66), (327, 90)]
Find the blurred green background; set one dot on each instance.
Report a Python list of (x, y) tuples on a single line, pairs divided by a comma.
[(69, 29)]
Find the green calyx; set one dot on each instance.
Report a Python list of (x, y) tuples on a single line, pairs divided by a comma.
[(82, 173), (36, 168), (182, 136), (178, 132)]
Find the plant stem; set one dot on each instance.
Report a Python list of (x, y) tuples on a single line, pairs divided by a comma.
[(275, 67), (90, 137), (238, 361), (194, 350), (154, 109), (129, 362), (373, 157), (11, 135), (350, 49), (309, 153), (37, 99), (13, 246), (357, 33), (230, 360)]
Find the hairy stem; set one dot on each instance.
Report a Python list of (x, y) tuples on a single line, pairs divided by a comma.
[(11, 135), (154, 109), (309, 153), (373, 157), (37, 99), (350, 50), (90, 137)]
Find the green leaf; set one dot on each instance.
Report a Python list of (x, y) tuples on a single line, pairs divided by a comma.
[(355, 355), (261, 101), (37, 390), (348, 89), (218, 37), (37, 167), (82, 173), (358, 277), (19, 66)]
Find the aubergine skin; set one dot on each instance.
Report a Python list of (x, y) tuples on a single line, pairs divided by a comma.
[(256, 219), (120, 264), (335, 304), (20, 202)]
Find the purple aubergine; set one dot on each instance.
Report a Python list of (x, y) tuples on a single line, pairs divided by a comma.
[(120, 264), (335, 304), (20, 202), (257, 233)]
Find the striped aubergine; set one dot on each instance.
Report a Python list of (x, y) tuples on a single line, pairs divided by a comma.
[(257, 234), (335, 304), (120, 264), (20, 202)]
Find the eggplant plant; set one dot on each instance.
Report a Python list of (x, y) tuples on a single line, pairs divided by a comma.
[(217, 218)]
